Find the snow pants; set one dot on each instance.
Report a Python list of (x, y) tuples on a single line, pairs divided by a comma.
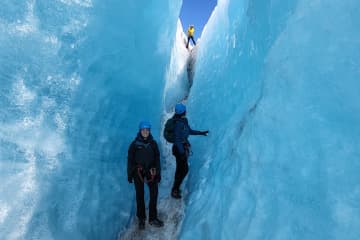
[(182, 168), (140, 202), (188, 41)]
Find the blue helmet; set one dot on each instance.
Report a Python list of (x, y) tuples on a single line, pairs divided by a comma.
[(144, 124), (180, 108)]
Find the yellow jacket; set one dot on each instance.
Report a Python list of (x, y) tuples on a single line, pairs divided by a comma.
[(191, 31)]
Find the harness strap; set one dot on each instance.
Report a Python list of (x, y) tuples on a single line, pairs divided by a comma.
[(140, 170), (188, 149)]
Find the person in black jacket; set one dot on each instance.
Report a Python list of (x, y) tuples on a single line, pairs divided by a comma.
[(144, 167), (181, 147)]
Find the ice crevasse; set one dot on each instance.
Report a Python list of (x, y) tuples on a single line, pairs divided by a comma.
[(275, 82)]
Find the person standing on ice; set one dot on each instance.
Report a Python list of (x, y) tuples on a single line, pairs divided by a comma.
[(181, 147), (144, 167), (190, 35)]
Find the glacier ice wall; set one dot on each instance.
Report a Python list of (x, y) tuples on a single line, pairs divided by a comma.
[(176, 79), (76, 78), (277, 84)]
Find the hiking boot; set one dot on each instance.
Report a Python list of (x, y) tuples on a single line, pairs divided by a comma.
[(156, 222), (176, 194), (142, 224)]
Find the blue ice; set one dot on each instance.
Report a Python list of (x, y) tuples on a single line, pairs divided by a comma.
[(276, 83)]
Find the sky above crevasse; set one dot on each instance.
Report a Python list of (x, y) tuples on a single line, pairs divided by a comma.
[(196, 12)]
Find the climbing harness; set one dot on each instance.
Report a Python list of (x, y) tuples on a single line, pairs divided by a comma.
[(140, 172), (188, 149)]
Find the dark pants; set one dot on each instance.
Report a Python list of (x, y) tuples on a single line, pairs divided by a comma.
[(182, 167), (139, 188), (192, 38)]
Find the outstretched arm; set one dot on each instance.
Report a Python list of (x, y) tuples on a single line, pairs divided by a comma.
[(196, 132)]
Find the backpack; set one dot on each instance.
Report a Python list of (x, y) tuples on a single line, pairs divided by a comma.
[(169, 130)]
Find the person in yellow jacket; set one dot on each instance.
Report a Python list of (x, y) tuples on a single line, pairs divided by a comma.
[(190, 35)]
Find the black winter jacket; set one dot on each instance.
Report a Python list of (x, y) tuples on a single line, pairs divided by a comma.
[(144, 153)]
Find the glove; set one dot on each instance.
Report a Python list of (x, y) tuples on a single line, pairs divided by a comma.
[(205, 133), (130, 180)]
